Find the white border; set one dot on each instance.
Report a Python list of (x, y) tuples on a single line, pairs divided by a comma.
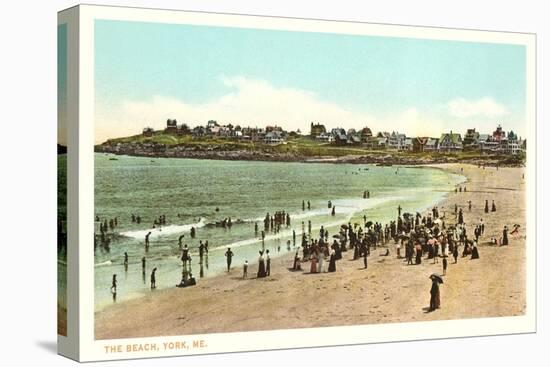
[(68, 345), (295, 338)]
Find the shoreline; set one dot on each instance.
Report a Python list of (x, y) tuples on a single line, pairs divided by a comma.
[(227, 303), (384, 158)]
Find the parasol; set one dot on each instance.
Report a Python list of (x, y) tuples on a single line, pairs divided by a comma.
[(437, 277)]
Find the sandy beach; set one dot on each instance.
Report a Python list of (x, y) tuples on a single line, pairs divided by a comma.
[(388, 291)]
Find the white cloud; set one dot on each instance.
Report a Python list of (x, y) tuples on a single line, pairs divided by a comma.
[(483, 107), (256, 103)]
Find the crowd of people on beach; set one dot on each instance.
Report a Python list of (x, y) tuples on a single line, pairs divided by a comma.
[(417, 238)]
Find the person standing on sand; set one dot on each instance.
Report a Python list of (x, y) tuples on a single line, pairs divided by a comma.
[(261, 266), (332, 261), (147, 239), (470, 205), (418, 260), (113, 286), (229, 257), (154, 279), (481, 225), (313, 267), (201, 252), (267, 263), (143, 264), (493, 207), (365, 262), (320, 261), (245, 269), (505, 236), (435, 301), (475, 253), (486, 206), (444, 266), (333, 211)]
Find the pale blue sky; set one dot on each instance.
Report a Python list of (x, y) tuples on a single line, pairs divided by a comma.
[(62, 84), (374, 76)]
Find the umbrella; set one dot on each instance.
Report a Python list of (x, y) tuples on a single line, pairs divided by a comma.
[(437, 277), (368, 224), (344, 226)]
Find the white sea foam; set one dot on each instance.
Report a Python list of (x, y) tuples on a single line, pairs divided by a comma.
[(164, 230), (104, 263)]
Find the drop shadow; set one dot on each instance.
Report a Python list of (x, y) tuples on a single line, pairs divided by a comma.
[(48, 345)]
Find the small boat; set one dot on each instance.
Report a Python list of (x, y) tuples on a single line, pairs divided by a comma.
[(113, 159)]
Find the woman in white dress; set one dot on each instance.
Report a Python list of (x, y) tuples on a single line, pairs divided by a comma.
[(320, 261)]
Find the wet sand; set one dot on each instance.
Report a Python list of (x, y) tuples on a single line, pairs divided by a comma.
[(388, 291)]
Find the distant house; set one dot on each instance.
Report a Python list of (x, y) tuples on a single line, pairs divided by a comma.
[(366, 135), (499, 134), (407, 144), (380, 141), (211, 124), (148, 132), (372, 143), (199, 132), (171, 126), (432, 145), (508, 146), (273, 137), (257, 134), (325, 137), (419, 143), (354, 139), (471, 140), (317, 129), (450, 142), (396, 141), (488, 145), (340, 137)]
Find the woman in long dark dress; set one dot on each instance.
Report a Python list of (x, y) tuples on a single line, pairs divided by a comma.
[(486, 206), (435, 301), (505, 236), (261, 266), (475, 253), (493, 207), (332, 262)]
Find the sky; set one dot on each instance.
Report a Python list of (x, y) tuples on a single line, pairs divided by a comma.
[(62, 84), (146, 73)]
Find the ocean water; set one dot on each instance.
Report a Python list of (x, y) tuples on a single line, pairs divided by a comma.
[(244, 191)]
